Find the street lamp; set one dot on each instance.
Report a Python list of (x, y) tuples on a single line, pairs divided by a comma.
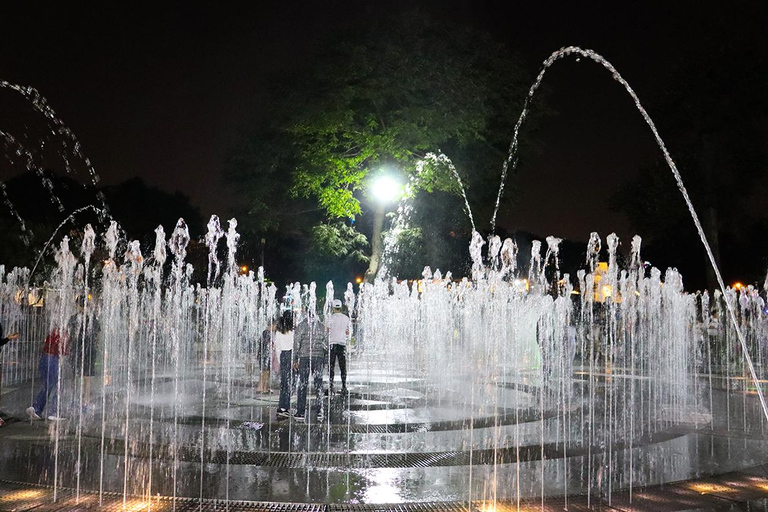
[(385, 188)]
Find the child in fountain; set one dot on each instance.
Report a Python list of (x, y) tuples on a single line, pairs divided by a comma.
[(339, 331), (284, 347), (55, 346), (310, 347)]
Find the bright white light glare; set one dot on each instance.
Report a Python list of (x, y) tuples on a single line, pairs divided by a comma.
[(386, 188)]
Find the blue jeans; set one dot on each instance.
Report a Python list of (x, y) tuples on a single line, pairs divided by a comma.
[(49, 373), (315, 364), (286, 377)]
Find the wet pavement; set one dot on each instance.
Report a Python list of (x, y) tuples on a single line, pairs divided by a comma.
[(745, 490), (390, 441)]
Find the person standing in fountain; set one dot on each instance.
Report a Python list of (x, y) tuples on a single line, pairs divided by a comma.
[(339, 330), (284, 348), (3, 341), (55, 346), (84, 329), (265, 356), (310, 347)]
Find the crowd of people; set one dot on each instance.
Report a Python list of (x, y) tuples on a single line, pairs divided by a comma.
[(302, 350), (293, 346)]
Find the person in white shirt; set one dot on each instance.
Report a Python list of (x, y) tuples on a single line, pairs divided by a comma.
[(339, 331), (284, 347)]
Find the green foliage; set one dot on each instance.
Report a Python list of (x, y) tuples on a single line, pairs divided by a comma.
[(411, 87), (388, 95), (340, 241)]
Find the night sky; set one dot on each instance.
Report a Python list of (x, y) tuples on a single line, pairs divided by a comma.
[(162, 92)]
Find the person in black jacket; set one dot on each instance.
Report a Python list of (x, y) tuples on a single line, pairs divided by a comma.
[(3, 341)]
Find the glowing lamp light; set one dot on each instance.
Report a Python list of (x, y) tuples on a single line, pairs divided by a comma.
[(385, 188), (737, 285), (244, 269), (358, 280)]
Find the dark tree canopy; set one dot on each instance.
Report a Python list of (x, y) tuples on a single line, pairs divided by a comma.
[(41, 216), (140, 208), (384, 97), (137, 207)]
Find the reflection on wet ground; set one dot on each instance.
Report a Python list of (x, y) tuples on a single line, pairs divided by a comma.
[(389, 440), (745, 490)]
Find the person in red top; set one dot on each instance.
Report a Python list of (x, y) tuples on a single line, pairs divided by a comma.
[(56, 345)]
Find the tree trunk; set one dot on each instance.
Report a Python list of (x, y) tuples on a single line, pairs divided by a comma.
[(376, 244)]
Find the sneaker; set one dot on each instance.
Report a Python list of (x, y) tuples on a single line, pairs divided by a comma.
[(55, 418), (283, 413), (33, 416), (299, 419)]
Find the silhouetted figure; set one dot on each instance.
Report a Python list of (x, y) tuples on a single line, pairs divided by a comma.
[(310, 347), (84, 329), (265, 356), (284, 347)]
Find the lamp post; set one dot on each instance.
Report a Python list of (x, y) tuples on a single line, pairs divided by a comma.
[(384, 190)]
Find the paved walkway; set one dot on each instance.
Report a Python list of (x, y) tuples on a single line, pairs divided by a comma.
[(745, 490)]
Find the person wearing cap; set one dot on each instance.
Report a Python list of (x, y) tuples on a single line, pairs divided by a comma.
[(339, 331)]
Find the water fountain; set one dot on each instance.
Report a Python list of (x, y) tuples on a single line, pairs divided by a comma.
[(516, 385)]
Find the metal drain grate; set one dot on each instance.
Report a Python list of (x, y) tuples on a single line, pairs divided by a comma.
[(404, 507), (22, 496), (503, 454)]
